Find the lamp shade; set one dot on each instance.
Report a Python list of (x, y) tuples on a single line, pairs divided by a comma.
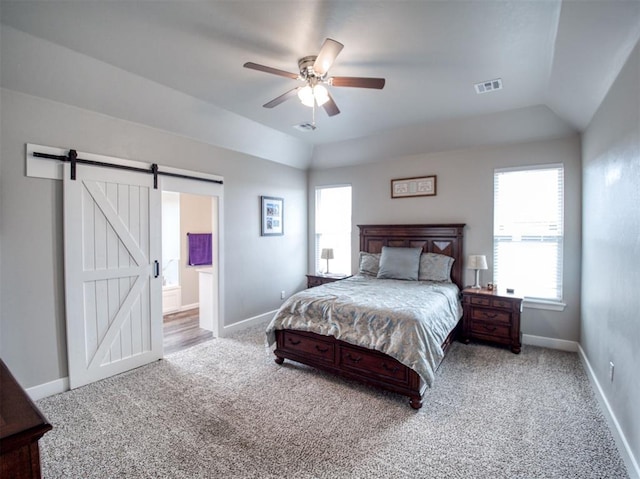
[(309, 95), (327, 253), (306, 95), (477, 261), (321, 94)]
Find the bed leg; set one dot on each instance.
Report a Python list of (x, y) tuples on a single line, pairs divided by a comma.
[(415, 402), (279, 360)]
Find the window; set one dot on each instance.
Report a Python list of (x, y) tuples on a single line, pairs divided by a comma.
[(333, 228), (528, 230)]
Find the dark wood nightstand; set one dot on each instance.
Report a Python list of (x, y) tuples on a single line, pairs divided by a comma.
[(492, 316), (318, 279)]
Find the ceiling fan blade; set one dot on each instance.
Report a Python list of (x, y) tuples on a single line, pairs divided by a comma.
[(282, 98), (358, 82), (326, 57), (330, 107), (274, 71)]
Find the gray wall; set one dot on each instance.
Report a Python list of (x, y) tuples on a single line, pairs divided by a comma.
[(611, 248), (465, 195), (32, 325)]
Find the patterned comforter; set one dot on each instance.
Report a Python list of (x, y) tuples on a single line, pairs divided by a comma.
[(408, 320)]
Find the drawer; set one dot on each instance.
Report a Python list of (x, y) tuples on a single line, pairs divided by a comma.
[(480, 301), (370, 361), (311, 346), (501, 303), (312, 282), (489, 329), (490, 315), (490, 302)]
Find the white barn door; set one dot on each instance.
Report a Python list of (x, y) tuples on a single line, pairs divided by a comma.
[(113, 289)]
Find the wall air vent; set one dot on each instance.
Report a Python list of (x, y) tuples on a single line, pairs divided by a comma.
[(489, 85), (305, 127)]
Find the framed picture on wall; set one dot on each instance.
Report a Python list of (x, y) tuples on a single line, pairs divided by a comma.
[(272, 217), (408, 187)]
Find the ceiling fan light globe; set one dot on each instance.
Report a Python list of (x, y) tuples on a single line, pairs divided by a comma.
[(321, 94), (306, 96)]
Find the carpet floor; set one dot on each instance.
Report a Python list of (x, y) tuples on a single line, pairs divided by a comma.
[(224, 409)]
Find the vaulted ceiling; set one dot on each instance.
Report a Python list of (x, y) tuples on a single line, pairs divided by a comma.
[(556, 60)]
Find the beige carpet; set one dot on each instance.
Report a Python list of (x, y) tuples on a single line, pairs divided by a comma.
[(225, 409)]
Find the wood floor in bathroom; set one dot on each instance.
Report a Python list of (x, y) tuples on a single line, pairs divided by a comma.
[(182, 330)]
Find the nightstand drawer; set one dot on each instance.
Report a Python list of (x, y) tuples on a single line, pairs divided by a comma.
[(314, 280), (489, 330), (479, 301), (490, 302), (500, 303), (490, 315)]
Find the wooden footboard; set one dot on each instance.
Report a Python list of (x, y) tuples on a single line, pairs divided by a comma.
[(354, 362)]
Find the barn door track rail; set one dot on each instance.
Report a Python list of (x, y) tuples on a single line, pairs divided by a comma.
[(72, 157)]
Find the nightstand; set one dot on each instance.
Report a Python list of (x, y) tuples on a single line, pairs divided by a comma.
[(318, 279), (492, 316)]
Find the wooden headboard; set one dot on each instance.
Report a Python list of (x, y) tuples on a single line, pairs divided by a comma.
[(442, 239)]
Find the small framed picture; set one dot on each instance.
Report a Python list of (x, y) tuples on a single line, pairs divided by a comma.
[(408, 187), (272, 216)]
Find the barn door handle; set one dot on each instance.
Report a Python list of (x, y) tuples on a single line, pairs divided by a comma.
[(156, 269)]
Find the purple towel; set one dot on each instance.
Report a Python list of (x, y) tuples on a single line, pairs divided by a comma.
[(199, 248)]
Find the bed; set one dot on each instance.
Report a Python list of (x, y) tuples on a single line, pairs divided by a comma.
[(406, 341)]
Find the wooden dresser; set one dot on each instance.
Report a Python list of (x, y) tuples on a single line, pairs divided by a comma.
[(492, 316), (21, 426)]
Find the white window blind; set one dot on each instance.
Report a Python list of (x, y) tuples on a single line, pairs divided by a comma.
[(528, 230), (333, 228)]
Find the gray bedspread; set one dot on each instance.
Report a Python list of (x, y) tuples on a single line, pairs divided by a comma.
[(408, 320)]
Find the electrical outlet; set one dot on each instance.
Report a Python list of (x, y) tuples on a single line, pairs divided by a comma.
[(611, 368), (281, 294)]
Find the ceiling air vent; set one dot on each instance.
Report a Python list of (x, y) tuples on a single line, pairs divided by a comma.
[(305, 127), (489, 85)]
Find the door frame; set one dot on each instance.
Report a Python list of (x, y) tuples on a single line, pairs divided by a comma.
[(215, 192)]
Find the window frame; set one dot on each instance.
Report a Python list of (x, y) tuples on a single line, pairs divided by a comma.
[(317, 247), (554, 304)]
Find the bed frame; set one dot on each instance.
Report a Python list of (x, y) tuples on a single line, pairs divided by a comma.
[(368, 366)]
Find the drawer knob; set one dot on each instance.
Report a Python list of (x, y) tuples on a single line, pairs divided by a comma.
[(354, 358), (392, 369), (322, 350), (490, 328), (489, 315), (294, 342)]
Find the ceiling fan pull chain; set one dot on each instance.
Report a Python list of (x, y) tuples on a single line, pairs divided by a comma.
[(313, 113)]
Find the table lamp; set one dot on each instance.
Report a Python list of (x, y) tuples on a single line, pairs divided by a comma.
[(327, 253), (477, 262)]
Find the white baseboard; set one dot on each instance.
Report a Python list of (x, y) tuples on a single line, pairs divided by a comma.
[(246, 323), (614, 426), (187, 307), (551, 343), (48, 389), (62, 385)]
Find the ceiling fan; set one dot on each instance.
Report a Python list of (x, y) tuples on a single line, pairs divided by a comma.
[(314, 73)]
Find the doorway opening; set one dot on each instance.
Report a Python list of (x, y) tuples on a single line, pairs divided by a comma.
[(191, 298), (184, 214)]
